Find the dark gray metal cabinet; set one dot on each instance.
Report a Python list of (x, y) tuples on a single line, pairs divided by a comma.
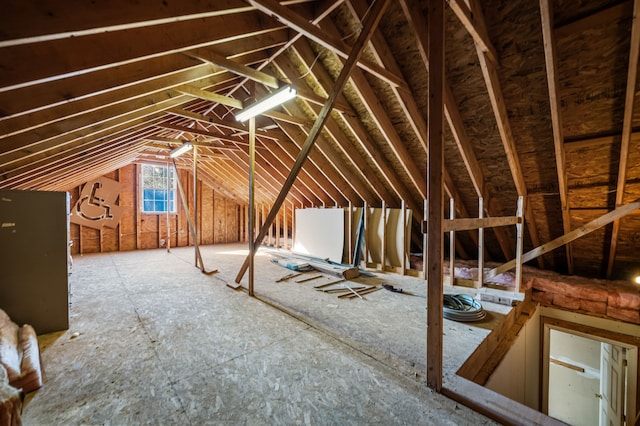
[(34, 254)]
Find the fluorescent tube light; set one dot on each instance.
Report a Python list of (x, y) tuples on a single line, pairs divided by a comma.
[(187, 146), (271, 101)]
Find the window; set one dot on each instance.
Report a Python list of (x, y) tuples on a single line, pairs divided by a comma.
[(156, 197)]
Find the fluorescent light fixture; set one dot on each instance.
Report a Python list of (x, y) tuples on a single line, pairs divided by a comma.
[(187, 146), (273, 100)]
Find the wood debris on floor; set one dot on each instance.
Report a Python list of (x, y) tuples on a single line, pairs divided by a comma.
[(341, 287), (296, 261)]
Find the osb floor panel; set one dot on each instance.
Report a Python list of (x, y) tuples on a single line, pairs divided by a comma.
[(154, 341)]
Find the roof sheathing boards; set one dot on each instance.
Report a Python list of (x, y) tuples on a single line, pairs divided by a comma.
[(469, 90), (300, 58), (593, 74), (516, 32), (385, 95), (402, 42), (593, 59)]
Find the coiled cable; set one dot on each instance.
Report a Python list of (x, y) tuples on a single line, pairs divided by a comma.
[(462, 307)]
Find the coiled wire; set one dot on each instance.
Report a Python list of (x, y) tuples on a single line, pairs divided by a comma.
[(462, 307)]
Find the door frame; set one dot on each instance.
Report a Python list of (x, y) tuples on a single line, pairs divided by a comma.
[(631, 343)]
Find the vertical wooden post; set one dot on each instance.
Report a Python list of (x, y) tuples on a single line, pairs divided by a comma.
[(435, 145), (245, 219), (383, 243), (80, 247), (350, 233), (195, 204), (213, 217), (238, 222), (252, 157), (293, 224), (425, 215), (118, 228), (278, 228), (480, 244), (270, 238), (138, 204), (158, 233), (119, 231), (519, 242), (169, 187), (285, 243), (186, 207), (365, 229), (226, 222), (452, 244), (245, 222), (200, 212), (261, 222), (241, 227), (403, 218)]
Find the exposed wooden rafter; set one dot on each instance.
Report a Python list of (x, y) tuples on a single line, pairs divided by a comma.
[(546, 14), (456, 124), (20, 26), (209, 96), (381, 118), (627, 121), (367, 30), (475, 27), (490, 73), (82, 56), (340, 139), (209, 55), (296, 22)]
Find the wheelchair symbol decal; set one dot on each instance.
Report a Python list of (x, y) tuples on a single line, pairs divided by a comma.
[(96, 207)]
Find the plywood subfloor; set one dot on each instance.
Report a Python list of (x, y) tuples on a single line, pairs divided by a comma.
[(153, 340)]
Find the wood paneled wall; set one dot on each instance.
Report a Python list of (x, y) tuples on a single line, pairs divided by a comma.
[(218, 219)]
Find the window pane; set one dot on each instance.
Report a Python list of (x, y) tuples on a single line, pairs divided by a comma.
[(154, 189)]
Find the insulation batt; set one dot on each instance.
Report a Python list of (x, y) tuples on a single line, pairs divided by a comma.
[(566, 301), (595, 307), (542, 297), (594, 290), (628, 315), (9, 350), (616, 299), (624, 295), (10, 401), (30, 377), (20, 355)]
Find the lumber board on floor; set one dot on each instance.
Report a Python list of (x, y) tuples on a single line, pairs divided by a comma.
[(346, 272)]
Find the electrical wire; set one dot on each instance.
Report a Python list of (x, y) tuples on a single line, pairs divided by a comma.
[(463, 308)]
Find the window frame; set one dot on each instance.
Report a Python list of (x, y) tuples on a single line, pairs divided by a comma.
[(173, 191)]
